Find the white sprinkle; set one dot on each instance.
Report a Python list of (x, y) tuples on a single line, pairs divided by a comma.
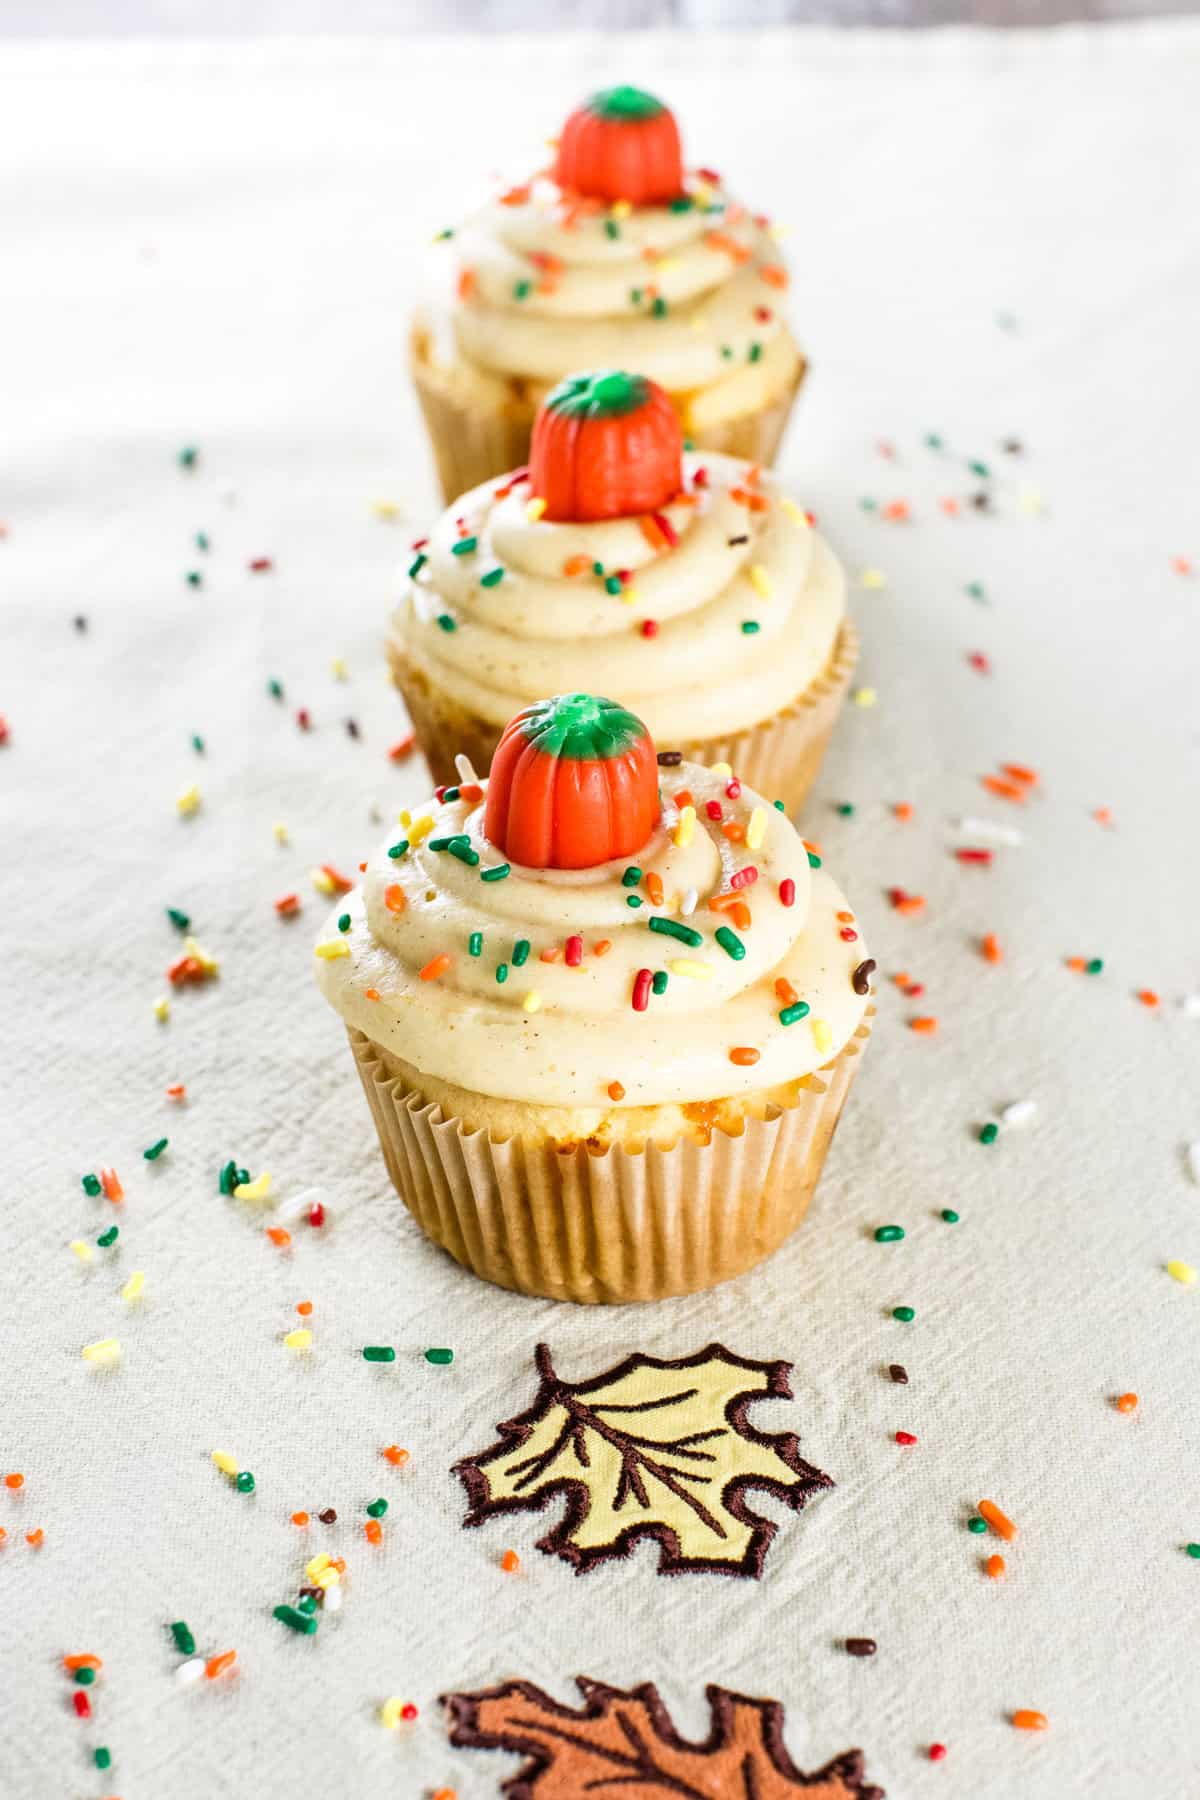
[(1020, 1113), (465, 767), (290, 1210), (988, 828), (190, 1672), (333, 1600), (687, 905), (1190, 1006), (1193, 1162)]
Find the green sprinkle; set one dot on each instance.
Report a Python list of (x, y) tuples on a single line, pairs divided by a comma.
[(1095, 966), (492, 577), (298, 1621), (905, 1314), (750, 626), (977, 1525), (634, 900), (443, 235), (441, 1357), (611, 228), (377, 1509), (417, 564), (442, 843), (464, 546), (814, 861), (1194, 1550), (933, 441), (727, 352), (888, 1234), (635, 296), (779, 805), (475, 944), (102, 1756), (244, 1482), (867, 504), (228, 1179), (981, 469), (85, 1677), (496, 873), (949, 1215), (681, 203), (791, 1015), (307, 1605), (520, 955), (153, 1151), (109, 1237), (275, 689), (197, 743), (464, 853), (343, 923), (977, 590), (755, 352), (396, 851), (179, 919), (91, 1185), (658, 982), (672, 928), (201, 541), (730, 942), (185, 1643), (846, 809), (631, 876), (450, 793), (658, 307), (989, 1134), (501, 973), (194, 578), (378, 1353), (446, 622), (188, 457), (522, 290), (612, 584)]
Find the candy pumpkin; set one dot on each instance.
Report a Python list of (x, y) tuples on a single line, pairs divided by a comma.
[(622, 144), (574, 783), (605, 446)]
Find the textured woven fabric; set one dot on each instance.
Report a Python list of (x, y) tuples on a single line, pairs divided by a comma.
[(992, 239)]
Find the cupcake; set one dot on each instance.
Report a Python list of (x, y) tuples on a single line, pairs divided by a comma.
[(614, 254), (690, 585), (606, 1009)]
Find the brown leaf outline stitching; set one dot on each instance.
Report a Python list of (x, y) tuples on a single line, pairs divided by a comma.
[(625, 1740), (498, 1483)]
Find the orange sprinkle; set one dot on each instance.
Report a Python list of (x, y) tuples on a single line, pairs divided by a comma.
[(902, 980), (393, 897), (990, 949), (813, 849), (371, 993), (287, 904), (110, 1181), (785, 991), (774, 275), (1078, 963), (14, 1481), (395, 1455), (740, 914), (949, 506), (1003, 790), (467, 284), (649, 531), (735, 832), (753, 475), (602, 946), (515, 196), (615, 1091), (576, 565), (654, 887), (471, 790), (845, 918), (85, 1661), (300, 1518), (684, 798), (1025, 1720), (902, 810), (910, 903), (1127, 1403), (279, 1236), (550, 954), (403, 747), (896, 509), (719, 240), (3, 1534), (1103, 815), (177, 1091), (304, 1308), (339, 1563), (510, 1562), (744, 1056), (1002, 1526), (1018, 772), (217, 1665), (35, 1539), (995, 1567), (1148, 997), (340, 881), (446, 1794), (374, 1531), (362, 868), (926, 1026), (435, 967), (719, 903)]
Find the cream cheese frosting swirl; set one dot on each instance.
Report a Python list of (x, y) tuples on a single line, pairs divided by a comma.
[(527, 987), (685, 293), (704, 629)]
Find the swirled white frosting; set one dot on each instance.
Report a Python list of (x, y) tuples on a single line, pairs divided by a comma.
[(580, 1033), (546, 289), (745, 606)]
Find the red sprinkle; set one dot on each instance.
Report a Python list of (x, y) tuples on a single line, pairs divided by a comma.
[(304, 719), (787, 891), (979, 661), (733, 788), (80, 1702), (316, 1213), (649, 628), (744, 877), (974, 856), (668, 530), (937, 1752), (713, 809), (905, 1437), (847, 936), (641, 990), (261, 563), (574, 955)]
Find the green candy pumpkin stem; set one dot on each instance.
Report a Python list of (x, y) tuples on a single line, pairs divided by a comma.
[(625, 102), (581, 726), (605, 394)]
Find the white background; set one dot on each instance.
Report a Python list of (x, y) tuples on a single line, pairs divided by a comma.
[(991, 237)]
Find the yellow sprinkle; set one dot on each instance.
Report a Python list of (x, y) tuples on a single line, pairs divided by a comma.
[(756, 830), (873, 578), (725, 770), (258, 1189), (535, 508), (760, 581), (621, 209), (328, 1578), (162, 1009), (133, 1287), (1181, 1271), (313, 1569), (83, 1251), (323, 883), (405, 816), (107, 1350), (390, 1712), (187, 802), (794, 512), (703, 193), (629, 595), (281, 833), (685, 827), (420, 828), (337, 668), (207, 962), (532, 1001), (331, 951), (385, 509), (666, 265), (226, 1463), (298, 1340), (822, 1036), (864, 696), (695, 971)]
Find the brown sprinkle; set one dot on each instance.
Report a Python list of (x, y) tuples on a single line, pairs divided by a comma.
[(899, 1373), (861, 1646), (669, 759), (860, 981), (328, 1517)]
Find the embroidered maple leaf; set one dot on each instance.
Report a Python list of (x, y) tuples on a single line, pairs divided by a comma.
[(625, 1742), (650, 1449)]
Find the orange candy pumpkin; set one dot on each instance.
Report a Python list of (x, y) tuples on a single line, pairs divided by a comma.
[(622, 144), (574, 783), (606, 445)]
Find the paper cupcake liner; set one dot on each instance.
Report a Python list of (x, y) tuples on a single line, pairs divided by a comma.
[(476, 436), (779, 757), (613, 1225)]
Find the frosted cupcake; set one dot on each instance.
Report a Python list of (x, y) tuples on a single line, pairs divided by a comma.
[(690, 585), (606, 1009), (613, 255)]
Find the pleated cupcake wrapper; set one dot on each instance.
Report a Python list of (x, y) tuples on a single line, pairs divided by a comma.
[(474, 440), (612, 1225), (779, 757)]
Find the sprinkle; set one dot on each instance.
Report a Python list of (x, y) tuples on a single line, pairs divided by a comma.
[(905, 1314), (225, 1462), (532, 1002), (162, 1009), (378, 1353), (861, 1646), (671, 928), (155, 1150), (860, 979), (949, 1215), (510, 1562), (188, 801), (1181, 1272), (134, 1286), (976, 1526), (535, 508), (298, 1340), (1002, 1526), (744, 1056), (923, 1026), (760, 581), (1127, 1403), (693, 971), (107, 1350), (296, 1620), (756, 830), (188, 1673), (989, 1133), (791, 1015), (82, 1251), (258, 1189), (1026, 1720), (888, 1234), (822, 1035), (730, 943), (498, 873), (995, 1567), (641, 990), (243, 1481), (108, 1237), (787, 891), (745, 877), (982, 857), (905, 1437), (873, 578), (436, 966), (111, 1185), (35, 1540), (441, 1358), (1019, 1113), (898, 1373), (864, 696), (686, 827), (464, 546)]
